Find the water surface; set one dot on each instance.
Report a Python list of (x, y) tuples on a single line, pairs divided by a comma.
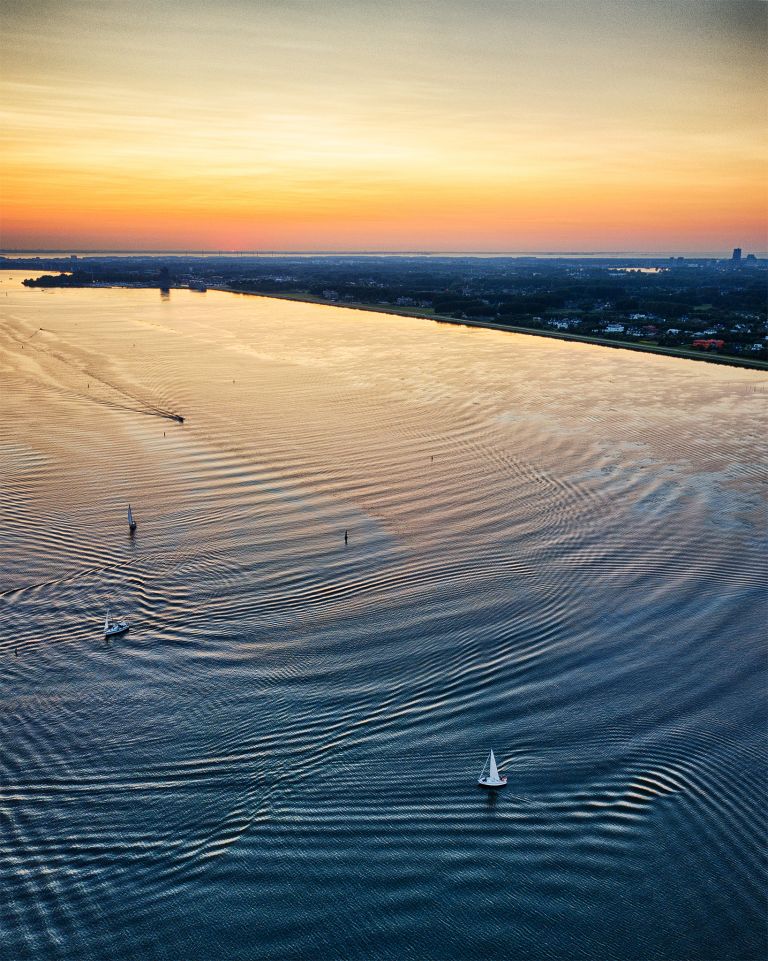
[(555, 550)]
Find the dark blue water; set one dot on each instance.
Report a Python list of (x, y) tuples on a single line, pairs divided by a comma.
[(555, 550)]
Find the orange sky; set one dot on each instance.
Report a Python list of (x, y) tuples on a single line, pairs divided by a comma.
[(413, 124)]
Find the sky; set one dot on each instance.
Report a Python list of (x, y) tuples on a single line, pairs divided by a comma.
[(482, 125)]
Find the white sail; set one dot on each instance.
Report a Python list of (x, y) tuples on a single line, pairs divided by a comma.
[(106, 622), (494, 771), (130, 516)]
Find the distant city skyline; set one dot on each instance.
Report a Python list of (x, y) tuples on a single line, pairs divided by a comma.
[(347, 125)]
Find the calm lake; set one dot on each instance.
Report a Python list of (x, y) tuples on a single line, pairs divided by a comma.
[(554, 550)]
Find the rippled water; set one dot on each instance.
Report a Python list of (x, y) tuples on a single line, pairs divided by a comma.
[(555, 550)]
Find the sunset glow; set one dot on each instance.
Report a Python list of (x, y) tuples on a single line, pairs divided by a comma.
[(361, 125)]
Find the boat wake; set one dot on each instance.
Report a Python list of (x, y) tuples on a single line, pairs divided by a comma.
[(126, 399)]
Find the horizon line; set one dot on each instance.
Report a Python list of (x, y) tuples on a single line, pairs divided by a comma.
[(708, 254)]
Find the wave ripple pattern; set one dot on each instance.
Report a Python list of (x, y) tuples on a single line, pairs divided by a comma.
[(554, 550)]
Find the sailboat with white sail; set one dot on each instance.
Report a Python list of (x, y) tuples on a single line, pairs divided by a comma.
[(131, 520), (489, 776), (113, 628)]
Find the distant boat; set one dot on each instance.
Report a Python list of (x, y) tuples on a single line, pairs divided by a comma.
[(113, 628), (489, 776), (131, 521)]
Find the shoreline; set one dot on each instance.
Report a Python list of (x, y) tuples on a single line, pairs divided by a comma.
[(680, 353)]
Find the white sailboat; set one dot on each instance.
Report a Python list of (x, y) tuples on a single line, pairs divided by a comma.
[(131, 521), (489, 776), (112, 628)]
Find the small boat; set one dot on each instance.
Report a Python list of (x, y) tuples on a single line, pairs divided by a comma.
[(131, 521), (489, 776), (113, 628)]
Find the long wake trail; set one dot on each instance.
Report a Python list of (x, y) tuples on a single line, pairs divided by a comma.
[(146, 408)]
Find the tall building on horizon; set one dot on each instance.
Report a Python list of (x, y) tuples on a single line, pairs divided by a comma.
[(736, 255)]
